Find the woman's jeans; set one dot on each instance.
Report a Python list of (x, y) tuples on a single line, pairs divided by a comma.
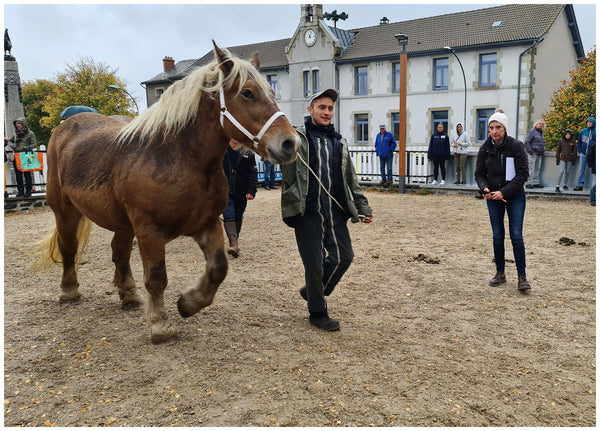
[(515, 207), (236, 206)]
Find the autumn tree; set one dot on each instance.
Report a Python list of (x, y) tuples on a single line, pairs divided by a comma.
[(83, 83), (573, 102)]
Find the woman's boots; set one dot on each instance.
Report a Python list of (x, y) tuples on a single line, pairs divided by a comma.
[(232, 231)]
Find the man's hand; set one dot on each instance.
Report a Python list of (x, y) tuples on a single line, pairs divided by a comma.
[(366, 219)]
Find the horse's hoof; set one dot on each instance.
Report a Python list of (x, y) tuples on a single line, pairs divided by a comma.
[(69, 299), (164, 339), (131, 305), (182, 309)]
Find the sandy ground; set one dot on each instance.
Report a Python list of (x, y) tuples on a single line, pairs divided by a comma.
[(424, 340)]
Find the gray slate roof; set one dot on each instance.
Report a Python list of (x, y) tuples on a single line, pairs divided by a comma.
[(521, 24)]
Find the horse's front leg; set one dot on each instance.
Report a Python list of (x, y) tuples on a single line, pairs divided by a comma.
[(121, 253), (202, 295), (152, 251)]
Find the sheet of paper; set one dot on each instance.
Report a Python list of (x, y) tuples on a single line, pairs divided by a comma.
[(510, 168)]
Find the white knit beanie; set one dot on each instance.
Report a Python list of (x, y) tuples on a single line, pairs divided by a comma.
[(500, 117)]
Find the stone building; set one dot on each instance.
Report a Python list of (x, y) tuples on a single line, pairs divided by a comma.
[(509, 55)]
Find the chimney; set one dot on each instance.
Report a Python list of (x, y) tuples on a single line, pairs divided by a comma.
[(168, 63)]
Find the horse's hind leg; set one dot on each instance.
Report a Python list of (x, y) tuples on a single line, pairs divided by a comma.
[(121, 253), (67, 228), (202, 295), (152, 250)]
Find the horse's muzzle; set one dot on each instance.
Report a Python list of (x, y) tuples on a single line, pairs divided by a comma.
[(287, 152)]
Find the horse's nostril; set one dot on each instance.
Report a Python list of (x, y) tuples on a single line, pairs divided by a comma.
[(288, 146)]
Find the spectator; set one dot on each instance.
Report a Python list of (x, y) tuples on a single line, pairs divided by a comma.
[(385, 144), (591, 162), (501, 171), (269, 183), (566, 156), (23, 140), (535, 147), (319, 194), (461, 144), (587, 138), (438, 152), (242, 178)]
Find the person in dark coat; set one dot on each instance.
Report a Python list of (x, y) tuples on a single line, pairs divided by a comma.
[(438, 152), (566, 156), (501, 170), (242, 178), (23, 140), (591, 162)]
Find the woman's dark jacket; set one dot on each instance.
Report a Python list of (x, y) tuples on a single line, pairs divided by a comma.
[(240, 169), (490, 168), (439, 146)]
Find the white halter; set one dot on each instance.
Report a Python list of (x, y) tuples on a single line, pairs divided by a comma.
[(236, 123)]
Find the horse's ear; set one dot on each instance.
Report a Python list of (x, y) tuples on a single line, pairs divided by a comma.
[(225, 62), (254, 60)]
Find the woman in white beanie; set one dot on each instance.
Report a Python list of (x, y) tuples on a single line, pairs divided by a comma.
[(501, 171)]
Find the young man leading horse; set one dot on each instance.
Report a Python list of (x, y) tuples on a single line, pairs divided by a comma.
[(319, 194)]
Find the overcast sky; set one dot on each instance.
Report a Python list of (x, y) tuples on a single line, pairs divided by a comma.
[(134, 38)]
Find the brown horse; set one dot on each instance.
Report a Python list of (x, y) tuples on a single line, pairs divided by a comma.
[(160, 177)]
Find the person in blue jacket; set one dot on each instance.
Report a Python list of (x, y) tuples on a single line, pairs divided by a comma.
[(587, 138), (438, 152), (385, 144)]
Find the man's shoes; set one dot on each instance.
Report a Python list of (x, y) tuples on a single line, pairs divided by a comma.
[(499, 278), (538, 186), (529, 186), (557, 189), (443, 183), (303, 293), (523, 283), (578, 188), (322, 321), (565, 187)]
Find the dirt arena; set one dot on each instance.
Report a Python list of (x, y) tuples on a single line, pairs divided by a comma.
[(424, 340)]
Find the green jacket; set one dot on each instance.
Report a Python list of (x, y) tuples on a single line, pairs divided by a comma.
[(295, 184), (22, 143)]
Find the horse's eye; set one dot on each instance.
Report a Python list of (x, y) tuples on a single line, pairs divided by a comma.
[(247, 94)]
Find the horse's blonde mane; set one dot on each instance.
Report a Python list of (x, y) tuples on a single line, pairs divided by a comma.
[(178, 106)]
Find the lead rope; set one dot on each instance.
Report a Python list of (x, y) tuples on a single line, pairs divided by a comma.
[(320, 183)]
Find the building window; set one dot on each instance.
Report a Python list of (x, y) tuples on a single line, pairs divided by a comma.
[(395, 77), (315, 81), (440, 73), (306, 83), (396, 125), (487, 70), (439, 117), (272, 80), (159, 92), (482, 119), (361, 125), (360, 80)]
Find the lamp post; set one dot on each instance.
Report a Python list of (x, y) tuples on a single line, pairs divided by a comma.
[(449, 49), (116, 87), (402, 41)]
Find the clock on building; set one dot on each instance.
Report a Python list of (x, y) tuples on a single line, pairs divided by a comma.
[(310, 37)]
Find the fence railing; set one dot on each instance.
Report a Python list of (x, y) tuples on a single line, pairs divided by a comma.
[(366, 164)]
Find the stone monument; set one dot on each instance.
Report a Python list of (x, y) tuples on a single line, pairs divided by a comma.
[(13, 101)]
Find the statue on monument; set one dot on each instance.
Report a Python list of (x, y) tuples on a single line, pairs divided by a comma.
[(7, 46)]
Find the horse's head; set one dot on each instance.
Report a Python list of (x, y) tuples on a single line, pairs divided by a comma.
[(249, 113)]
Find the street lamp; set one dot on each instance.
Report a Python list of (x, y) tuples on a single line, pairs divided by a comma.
[(402, 41), (116, 87), (449, 49)]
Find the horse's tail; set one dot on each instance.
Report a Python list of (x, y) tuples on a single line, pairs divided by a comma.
[(47, 252)]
